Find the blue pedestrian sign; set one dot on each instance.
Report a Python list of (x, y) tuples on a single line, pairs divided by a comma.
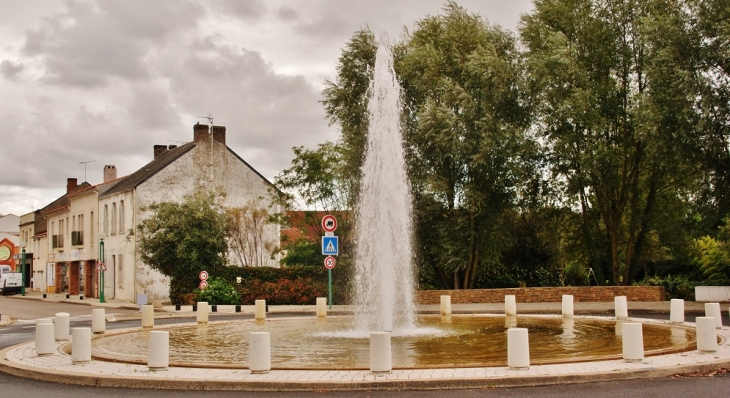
[(330, 246)]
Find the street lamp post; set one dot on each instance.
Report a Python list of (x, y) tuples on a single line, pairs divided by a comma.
[(23, 244), (102, 235)]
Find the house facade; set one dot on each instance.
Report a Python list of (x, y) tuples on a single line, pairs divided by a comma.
[(174, 172)]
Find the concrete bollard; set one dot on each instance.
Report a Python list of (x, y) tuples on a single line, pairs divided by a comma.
[(621, 308), (81, 345), (158, 356), (567, 305), (44, 338), (445, 305), (676, 311), (321, 307), (260, 309), (148, 316), (259, 352), (98, 320), (202, 312), (706, 337), (380, 352), (632, 342), (518, 348), (510, 306), (61, 331), (713, 310)]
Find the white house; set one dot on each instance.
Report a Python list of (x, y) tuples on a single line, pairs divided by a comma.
[(174, 172)]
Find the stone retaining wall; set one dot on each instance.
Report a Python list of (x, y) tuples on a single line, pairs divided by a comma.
[(544, 294)]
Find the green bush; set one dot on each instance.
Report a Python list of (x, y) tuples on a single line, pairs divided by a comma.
[(283, 292), (219, 292), (679, 286), (576, 275)]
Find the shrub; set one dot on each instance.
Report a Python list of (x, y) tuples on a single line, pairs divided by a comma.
[(576, 275), (219, 292), (283, 292), (679, 287)]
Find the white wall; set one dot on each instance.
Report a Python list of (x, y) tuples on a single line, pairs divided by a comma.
[(713, 294)]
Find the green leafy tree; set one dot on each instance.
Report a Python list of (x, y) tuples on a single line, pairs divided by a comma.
[(713, 255), (180, 239)]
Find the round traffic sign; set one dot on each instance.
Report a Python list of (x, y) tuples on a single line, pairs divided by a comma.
[(329, 262), (329, 223), (203, 276), (202, 285)]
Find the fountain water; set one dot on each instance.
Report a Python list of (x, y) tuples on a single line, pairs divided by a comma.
[(384, 276)]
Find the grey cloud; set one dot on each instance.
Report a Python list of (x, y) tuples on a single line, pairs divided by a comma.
[(10, 69), (250, 10), (91, 43), (287, 14)]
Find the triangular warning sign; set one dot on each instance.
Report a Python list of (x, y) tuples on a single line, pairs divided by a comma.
[(330, 247)]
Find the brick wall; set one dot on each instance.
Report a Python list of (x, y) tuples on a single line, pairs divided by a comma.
[(543, 294)]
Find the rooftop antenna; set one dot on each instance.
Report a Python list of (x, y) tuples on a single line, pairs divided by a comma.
[(209, 117), (85, 163), (179, 142)]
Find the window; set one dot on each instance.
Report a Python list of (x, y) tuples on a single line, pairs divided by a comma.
[(114, 218), (106, 219), (120, 271), (81, 223), (91, 228), (121, 217), (67, 226)]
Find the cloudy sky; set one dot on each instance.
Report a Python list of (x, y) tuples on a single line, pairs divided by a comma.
[(106, 80)]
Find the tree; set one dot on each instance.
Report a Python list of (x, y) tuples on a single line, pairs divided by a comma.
[(247, 235), (465, 134), (607, 78), (180, 239)]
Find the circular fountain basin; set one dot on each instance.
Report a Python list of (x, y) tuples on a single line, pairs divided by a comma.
[(453, 341)]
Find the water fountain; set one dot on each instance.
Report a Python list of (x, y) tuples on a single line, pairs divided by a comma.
[(384, 284), (384, 277)]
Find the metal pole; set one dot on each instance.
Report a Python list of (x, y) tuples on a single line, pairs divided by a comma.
[(22, 270), (330, 287), (101, 271)]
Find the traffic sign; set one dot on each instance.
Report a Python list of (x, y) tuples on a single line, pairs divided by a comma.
[(100, 266), (202, 285), (203, 276), (329, 223), (329, 262), (330, 246)]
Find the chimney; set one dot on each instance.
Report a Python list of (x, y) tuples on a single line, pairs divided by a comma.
[(71, 184), (159, 150), (200, 133), (219, 134), (110, 173)]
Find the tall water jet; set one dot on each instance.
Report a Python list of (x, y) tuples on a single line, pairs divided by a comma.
[(384, 276)]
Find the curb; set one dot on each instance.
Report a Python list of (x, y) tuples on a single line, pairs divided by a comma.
[(385, 385)]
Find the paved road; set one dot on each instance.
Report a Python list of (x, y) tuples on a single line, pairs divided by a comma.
[(28, 310)]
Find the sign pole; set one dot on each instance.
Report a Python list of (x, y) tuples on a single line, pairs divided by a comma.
[(330, 288)]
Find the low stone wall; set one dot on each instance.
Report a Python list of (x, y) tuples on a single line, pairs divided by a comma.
[(712, 294), (544, 294)]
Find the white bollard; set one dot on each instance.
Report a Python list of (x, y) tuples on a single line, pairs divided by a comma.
[(706, 337), (202, 312), (260, 309), (567, 305), (259, 352), (510, 306), (445, 305), (380, 353), (621, 309), (321, 307), (158, 356), (676, 311), (81, 345), (98, 320), (518, 348), (632, 341), (148, 315), (713, 310), (44, 338), (61, 331)]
